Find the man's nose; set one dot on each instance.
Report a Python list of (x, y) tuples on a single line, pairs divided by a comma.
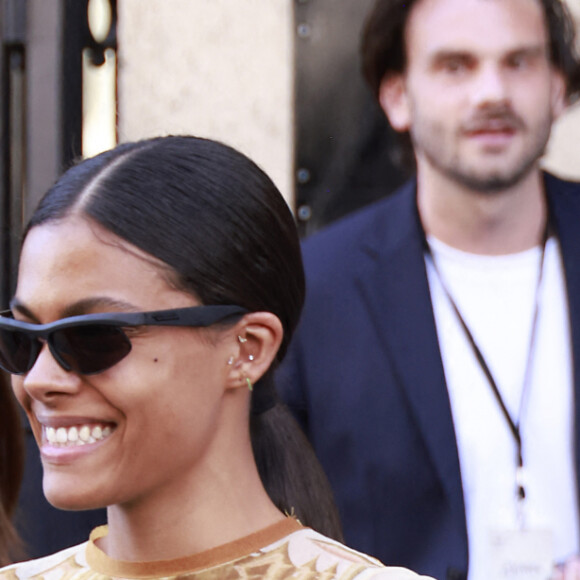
[(490, 86)]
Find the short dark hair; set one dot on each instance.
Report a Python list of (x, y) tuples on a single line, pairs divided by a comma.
[(383, 47), (225, 235)]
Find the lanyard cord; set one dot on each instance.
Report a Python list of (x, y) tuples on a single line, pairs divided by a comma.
[(514, 427)]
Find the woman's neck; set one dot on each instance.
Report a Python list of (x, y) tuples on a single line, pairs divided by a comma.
[(193, 515)]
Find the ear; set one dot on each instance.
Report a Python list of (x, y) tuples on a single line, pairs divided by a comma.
[(558, 95), (257, 339), (394, 101)]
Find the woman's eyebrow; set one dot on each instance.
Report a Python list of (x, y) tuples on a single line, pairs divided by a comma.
[(87, 304), (16, 305), (77, 308)]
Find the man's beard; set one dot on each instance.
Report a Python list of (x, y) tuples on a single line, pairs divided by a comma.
[(495, 182), (426, 141)]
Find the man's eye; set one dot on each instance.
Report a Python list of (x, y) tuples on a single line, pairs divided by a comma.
[(454, 66), (520, 63)]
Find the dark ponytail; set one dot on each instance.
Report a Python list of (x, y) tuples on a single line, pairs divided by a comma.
[(291, 473), (288, 467)]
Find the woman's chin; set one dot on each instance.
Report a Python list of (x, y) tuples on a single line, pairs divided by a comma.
[(65, 498)]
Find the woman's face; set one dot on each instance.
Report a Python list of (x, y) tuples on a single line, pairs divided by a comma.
[(151, 419)]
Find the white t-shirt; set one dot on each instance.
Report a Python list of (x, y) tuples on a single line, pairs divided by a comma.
[(496, 296)]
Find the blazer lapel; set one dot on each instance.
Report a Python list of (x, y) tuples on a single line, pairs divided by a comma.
[(393, 283), (564, 204)]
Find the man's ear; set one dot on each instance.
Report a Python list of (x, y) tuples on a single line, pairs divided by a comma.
[(558, 96), (258, 336), (395, 101)]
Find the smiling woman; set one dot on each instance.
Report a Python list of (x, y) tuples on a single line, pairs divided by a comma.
[(159, 285)]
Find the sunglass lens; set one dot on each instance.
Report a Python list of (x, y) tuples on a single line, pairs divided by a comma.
[(18, 351), (90, 349)]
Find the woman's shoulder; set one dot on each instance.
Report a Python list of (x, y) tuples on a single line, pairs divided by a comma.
[(69, 559), (326, 557)]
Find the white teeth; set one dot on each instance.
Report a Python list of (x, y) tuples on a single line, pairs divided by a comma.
[(61, 435), (85, 433), (76, 435), (51, 435)]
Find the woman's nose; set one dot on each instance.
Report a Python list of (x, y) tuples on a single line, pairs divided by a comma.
[(47, 379)]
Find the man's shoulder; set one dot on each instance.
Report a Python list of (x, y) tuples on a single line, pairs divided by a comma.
[(560, 186), (368, 222), (564, 202)]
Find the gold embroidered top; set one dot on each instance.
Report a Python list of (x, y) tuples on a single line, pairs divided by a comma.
[(283, 550)]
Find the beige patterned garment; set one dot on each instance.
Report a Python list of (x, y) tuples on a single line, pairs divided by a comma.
[(284, 550)]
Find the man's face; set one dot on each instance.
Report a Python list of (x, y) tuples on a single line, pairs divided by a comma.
[(479, 94)]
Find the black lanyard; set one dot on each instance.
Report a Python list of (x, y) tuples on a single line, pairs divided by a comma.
[(514, 427)]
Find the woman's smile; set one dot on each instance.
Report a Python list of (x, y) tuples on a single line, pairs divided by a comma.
[(75, 436), (63, 440)]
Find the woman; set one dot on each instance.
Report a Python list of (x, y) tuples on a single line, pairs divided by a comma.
[(159, 285), (11, 469)]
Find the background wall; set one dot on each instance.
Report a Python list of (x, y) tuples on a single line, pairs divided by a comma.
[(224, 69), (563, 155), (219, 68)]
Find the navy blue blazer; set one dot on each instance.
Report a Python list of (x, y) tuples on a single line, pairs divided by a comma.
[(364, 378)]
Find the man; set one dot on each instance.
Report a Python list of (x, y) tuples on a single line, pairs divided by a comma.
[(435, 367)]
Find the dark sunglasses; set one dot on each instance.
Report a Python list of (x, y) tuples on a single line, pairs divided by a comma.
[(92, 343)]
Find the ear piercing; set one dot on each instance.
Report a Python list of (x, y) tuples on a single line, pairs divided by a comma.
[(231, 359), (242, 340), (249, 383)]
